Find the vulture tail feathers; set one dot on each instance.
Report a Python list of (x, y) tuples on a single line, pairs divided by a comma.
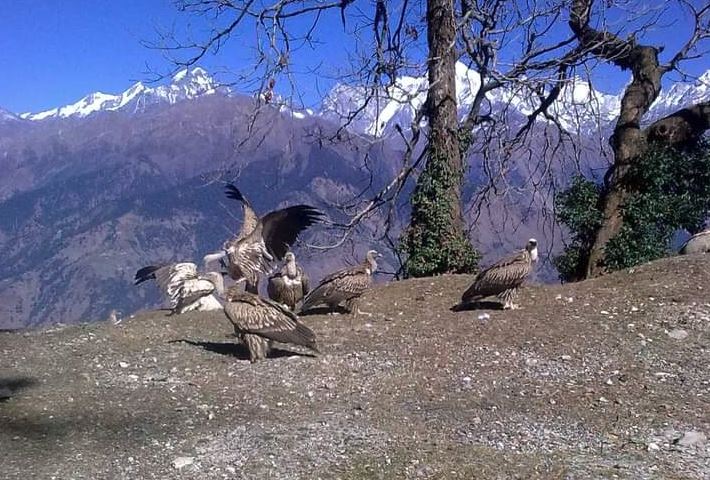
[(145, 274)]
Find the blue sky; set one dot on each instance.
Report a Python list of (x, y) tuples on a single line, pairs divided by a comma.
[(53, 52)]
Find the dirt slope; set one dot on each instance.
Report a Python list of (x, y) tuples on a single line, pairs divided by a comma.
[(608, 378)]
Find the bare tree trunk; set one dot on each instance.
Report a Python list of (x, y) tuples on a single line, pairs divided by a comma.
[(441, 108), (436, 241), (628, 143)]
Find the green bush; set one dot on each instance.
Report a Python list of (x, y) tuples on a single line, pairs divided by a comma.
[(671, 191), (577, 208)]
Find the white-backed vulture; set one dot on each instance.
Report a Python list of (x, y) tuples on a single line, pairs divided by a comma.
[(258, 321), (185, 288), (698, 243), (262, 241), (503, 277), (343, 286), (289, 285)]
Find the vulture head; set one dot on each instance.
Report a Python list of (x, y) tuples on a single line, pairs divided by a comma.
[(531, 247), (372, 256)]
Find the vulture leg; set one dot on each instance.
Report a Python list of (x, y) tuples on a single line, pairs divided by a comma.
[(258, 347), (508, 298)]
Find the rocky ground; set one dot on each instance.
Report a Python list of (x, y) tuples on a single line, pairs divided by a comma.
[(607, 378)]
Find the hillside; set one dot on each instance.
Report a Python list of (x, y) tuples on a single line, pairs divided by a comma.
[(602, 379)]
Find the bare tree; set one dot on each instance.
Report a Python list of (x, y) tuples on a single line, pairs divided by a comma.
[(630, 140), (523, 53)]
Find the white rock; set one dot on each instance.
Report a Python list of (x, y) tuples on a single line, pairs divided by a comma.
[(123, 364), (604, 312), (181, 462), (678, 334), (653, 446)]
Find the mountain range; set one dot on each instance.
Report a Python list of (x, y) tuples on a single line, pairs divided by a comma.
[(94, 190)]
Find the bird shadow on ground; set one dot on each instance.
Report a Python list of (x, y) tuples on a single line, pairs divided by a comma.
[(324, 311), (238, 350), (9, 386), (462, 307)]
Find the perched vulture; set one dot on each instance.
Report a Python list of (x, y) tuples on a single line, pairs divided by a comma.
[(289, 285), (343, 286), (262, 241), (186, 289), (698, 243), (258, 321), (503, 277)]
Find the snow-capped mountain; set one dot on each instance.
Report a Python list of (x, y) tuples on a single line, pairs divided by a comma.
[(579, 107), (186, 84), (6, 116)]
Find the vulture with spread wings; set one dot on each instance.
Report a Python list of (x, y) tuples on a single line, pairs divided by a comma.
[(186, 289), (259, 321), (503, 277), (343, 286), (262, 241)]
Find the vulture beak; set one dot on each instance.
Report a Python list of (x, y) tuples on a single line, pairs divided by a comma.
[(213, 257)]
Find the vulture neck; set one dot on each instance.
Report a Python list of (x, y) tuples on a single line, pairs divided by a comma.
[(533, 254), (291, 270), (218, 282), (371, 264)]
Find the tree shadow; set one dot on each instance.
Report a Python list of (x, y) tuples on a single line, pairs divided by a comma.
[(488, 305), (324, 311), (9, 386), (239, 350)]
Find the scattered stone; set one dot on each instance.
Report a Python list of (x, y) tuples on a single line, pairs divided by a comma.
[(678, 334), (123, 364), (181, 462), (566, 358), (604, 312), (484, 316), (653, 447), (690, 439)]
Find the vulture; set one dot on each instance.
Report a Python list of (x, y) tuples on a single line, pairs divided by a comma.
[(259, 321), (343, 286), (186, 289), (503, 277), (289, 285), (262, 241), (698, 243)]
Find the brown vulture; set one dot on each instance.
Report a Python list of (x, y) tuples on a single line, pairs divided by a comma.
[(186, 289), (343, 286), (503, 277), (289, 285), (262, 241), (258, 321)]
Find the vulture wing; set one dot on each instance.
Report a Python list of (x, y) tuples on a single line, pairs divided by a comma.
[(170, 278), (191, 290), (305, 281), (250, 217), (280, 228), (354, 280), (276, 288), (255, 315)]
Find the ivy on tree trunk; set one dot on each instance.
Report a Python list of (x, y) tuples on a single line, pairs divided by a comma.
[(436, 241)]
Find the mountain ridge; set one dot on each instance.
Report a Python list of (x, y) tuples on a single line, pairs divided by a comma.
[(578, 107)]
